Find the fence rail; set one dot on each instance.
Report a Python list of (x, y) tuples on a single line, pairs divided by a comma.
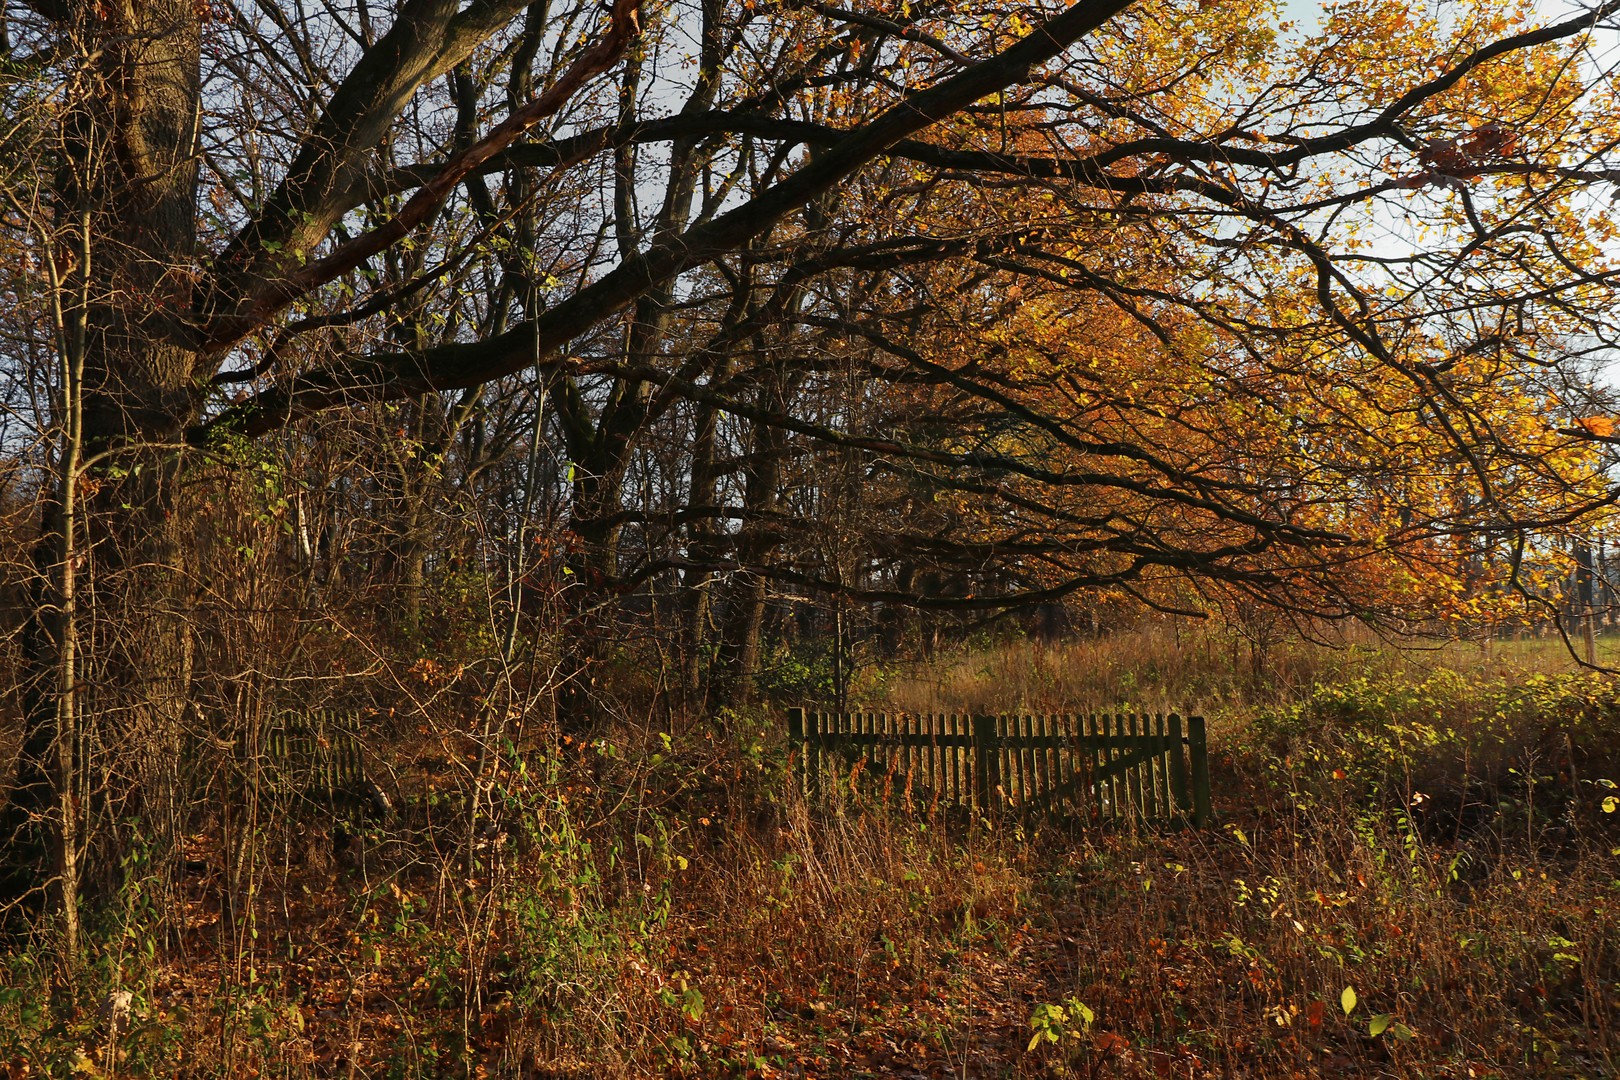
[(1092, 767)]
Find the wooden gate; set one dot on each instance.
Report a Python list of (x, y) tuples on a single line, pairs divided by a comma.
[(1095, 767), (317, 756)]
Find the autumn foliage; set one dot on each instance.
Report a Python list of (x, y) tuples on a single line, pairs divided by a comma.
[(554, 391)]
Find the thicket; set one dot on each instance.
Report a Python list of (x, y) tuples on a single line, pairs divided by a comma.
[(1413, 874)]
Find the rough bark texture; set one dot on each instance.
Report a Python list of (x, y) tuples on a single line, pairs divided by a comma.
[(128, 156), (699, 582), (747, 617), (140, 379)]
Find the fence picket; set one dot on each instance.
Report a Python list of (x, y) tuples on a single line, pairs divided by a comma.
[(1056, 755), (961, 731), (1040, 783), (854, 751), (1043, 759), (1026, 761), (1097, 785), (1141, 777), (938, 775), (1144, 774), (1040, 786), (1161, 770), (1121, 784), (1015, 763), (1060, 756), (1143, 725), (818, 776), (1007, 770), (930, 750), (1182, 797), (1198, 752), (880, 751), (960, 781), (863, 739), (829, 741), (1016, 753), (1087, 723), (1130, 779), (1080, 762), (1105, 756), (1069, 762)]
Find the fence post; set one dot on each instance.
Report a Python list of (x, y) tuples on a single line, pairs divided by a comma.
[(1181, 797), (812, 756), (1159, 770), (796, 740), (1198, 752), (986, 771), (1133, 775)]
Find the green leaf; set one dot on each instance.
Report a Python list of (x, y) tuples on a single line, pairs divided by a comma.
[(1377, 1024), (1348, 1000), (1402, 1032)]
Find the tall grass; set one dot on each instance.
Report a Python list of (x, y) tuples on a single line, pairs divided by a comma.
[(1231, 954), (1425, 828), (1176, 665)]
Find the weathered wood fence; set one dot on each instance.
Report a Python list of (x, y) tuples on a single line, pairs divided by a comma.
[(317, 756), (1094, 767)]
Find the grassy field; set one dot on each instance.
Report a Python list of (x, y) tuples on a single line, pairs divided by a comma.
[(1160, 668), (1413, 875)]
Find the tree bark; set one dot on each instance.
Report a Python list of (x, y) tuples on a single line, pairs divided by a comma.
[(747, 618), (128, 156), (698, 583)]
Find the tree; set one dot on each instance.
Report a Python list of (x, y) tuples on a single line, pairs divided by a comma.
[(1034, 299)]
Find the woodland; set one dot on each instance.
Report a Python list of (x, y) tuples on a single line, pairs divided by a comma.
[(528, 403)]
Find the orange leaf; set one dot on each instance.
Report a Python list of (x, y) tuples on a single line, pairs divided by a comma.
[(1107, 1042)]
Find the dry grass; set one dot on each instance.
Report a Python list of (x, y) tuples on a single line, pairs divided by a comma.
[(688, 914), (1173, 665), (1220, 956)]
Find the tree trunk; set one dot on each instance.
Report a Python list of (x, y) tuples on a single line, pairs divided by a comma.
[(747, 617), (698, 583), (127, 155)]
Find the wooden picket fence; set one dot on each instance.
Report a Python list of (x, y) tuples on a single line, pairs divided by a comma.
[(317, 756), (1093, 768)]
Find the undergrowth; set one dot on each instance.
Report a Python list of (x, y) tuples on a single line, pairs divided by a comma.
[(1414, 874)]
